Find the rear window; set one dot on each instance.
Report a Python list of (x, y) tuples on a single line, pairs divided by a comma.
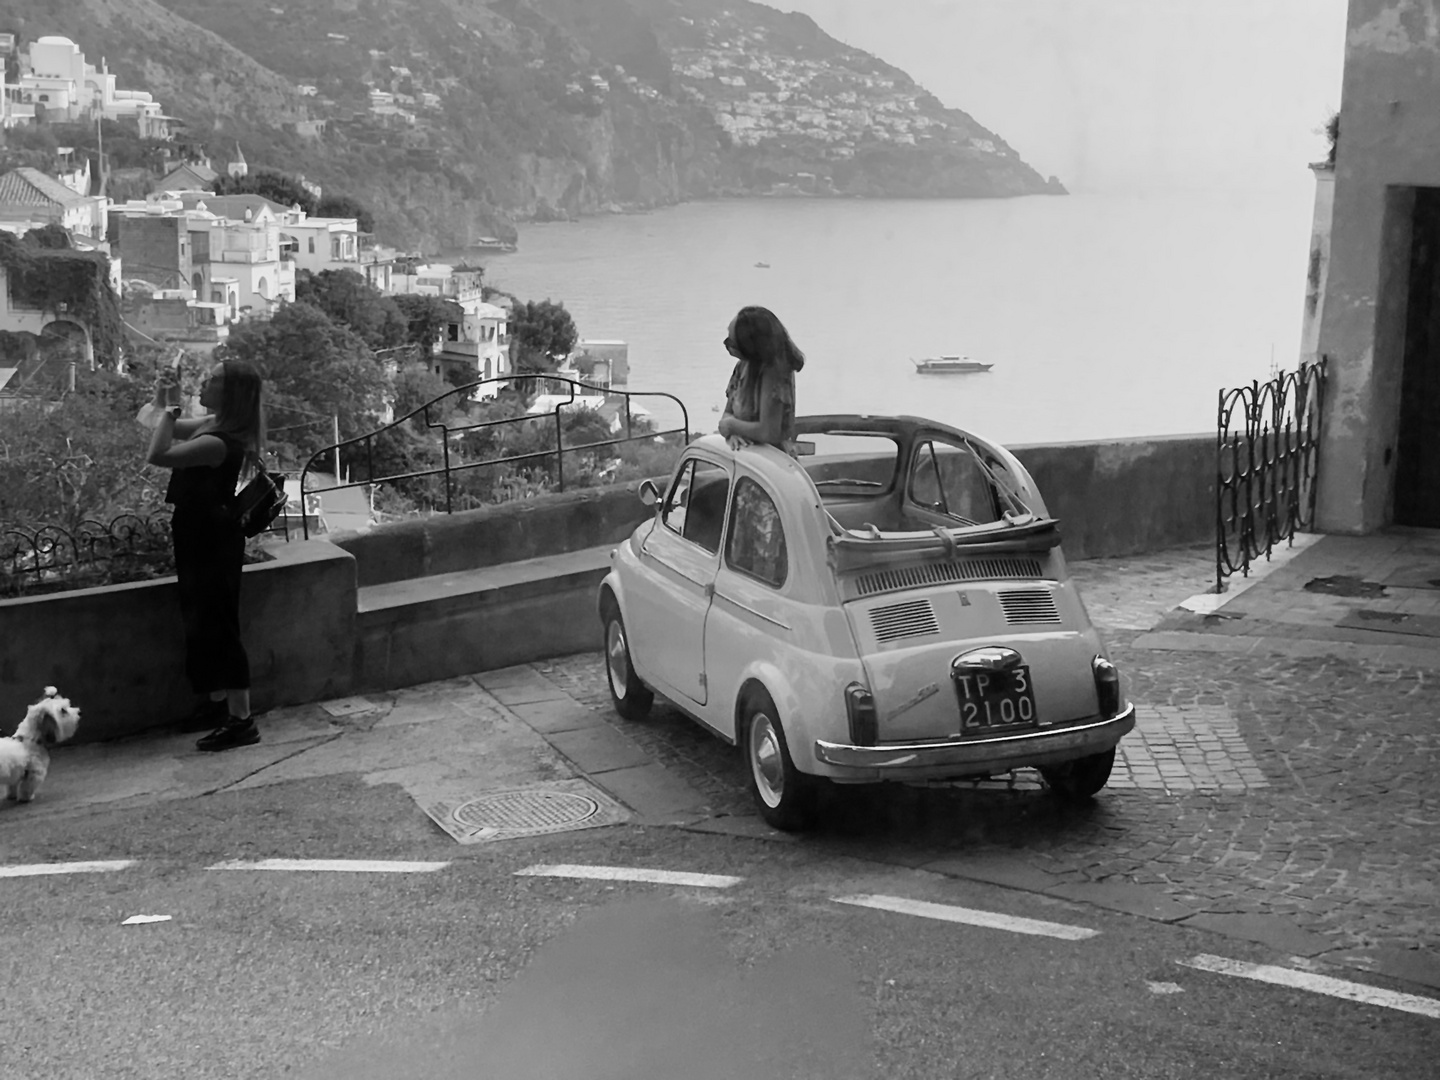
[(849, 463)]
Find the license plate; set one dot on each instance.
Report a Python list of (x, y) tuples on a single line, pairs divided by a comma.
[(995, 699)]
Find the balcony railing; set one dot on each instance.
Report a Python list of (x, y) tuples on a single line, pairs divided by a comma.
[(362, 449)]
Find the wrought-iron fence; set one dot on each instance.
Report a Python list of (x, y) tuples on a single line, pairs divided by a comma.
[(1266, 453), (50, 558), (362, 449)]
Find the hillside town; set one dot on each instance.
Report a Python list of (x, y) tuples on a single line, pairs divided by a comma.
[(186, 264)]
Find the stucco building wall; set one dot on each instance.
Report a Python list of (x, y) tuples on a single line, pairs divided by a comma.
[(1389, 145)]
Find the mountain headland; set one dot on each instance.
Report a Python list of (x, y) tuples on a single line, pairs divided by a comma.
[(460, 118)]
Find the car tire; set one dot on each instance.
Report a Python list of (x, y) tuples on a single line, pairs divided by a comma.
[(784, 795), (1082, 778), (632, 698)]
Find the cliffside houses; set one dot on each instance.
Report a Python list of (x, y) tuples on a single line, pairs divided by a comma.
[(56, 82), (475, 343)]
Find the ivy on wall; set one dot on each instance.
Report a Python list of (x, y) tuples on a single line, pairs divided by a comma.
[(69, 283)]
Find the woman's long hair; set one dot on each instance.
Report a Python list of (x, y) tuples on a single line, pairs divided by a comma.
[(762, 339), (242, 409)]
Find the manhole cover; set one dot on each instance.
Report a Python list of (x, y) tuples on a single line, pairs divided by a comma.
[(501, 815), (529, 811), (1342, 585)]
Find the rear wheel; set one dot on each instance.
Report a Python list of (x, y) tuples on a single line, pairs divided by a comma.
[(784, 795), (1081, 778), (632, 698)]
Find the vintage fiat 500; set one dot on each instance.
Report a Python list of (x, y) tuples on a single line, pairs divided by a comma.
[(890, 604)]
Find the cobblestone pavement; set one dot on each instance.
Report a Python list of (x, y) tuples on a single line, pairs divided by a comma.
[(1264, 785)]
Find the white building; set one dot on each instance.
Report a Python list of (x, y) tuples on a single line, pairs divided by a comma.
[(55, 76), (324, 243)]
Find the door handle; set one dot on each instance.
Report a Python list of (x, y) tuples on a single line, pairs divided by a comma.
[(710, 591)]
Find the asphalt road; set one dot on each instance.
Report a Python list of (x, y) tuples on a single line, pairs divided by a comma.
[(473, 971)]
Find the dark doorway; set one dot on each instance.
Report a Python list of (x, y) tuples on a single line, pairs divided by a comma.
[(1417, 465)]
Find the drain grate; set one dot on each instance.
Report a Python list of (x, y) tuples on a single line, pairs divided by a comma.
[(503, 815), (527, 811)]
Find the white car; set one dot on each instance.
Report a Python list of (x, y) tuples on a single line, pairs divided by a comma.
[(893, 604)]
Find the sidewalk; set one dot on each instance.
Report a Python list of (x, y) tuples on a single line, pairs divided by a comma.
[(1279, 786)]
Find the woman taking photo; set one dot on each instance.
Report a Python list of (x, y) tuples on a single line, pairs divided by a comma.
[(760, 397), (207, 455)]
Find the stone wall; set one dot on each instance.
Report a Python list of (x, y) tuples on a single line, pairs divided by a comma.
[(394, 606), (1112, 498), (118, 652)]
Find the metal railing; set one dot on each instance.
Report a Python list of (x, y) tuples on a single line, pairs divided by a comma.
[(361, 450), (50, 558), (1267, 447)]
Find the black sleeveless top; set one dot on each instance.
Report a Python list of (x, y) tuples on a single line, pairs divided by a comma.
[(208, 489)]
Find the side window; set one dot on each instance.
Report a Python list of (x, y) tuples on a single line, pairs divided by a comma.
[(948, 480), (757, 539), (695, 506), (678, 498)]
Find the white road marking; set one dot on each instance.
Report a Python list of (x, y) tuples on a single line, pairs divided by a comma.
[(630, 873), (1319, 984), (136, 920), (1165, 987), (349, 866), (39, 869), (948, 913)]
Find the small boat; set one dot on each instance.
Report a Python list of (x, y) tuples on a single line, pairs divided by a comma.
[(949, 365), (762, 266), (491, 243)]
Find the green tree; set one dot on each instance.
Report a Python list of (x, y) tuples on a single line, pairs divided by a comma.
[(348, 298), (276, 186), (542, 334), (426, 317), (311, 365), (81, 457), (343, 206)]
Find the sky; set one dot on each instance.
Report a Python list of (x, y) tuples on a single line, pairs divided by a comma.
[(1122, 95)]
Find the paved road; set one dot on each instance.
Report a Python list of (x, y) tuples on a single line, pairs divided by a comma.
[(1271, 809), (473, 971)]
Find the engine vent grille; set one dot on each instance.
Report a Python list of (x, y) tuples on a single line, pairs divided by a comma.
[(1029, 606), (945, 573), (914, 618)]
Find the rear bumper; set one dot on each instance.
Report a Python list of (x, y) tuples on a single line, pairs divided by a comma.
[(999, 753)]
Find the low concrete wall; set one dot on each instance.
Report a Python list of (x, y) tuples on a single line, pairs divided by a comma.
[(1112, 498), (1129, 495), (118, 652), (313, 634), (491, 535)]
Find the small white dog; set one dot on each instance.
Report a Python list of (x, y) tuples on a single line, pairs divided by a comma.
[(24, 757)]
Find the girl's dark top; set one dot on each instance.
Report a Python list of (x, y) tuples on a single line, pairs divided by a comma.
[(208, 489), (750, 385)]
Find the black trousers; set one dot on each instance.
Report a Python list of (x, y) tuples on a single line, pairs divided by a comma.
[(209, 555)]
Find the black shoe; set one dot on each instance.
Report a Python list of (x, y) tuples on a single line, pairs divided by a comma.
[(207, 716), (234, 732)]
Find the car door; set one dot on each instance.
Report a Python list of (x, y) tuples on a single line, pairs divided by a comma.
[(750, 617), (680, 557)]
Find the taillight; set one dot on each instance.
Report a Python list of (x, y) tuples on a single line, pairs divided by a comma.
[(1107, 686), (860, 708)]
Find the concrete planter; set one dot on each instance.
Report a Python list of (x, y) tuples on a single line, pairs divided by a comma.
[(118, 652)]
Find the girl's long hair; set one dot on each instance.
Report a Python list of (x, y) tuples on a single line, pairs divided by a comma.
[(242, 409), (762, 339)]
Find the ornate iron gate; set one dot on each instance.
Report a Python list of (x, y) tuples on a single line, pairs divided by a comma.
[(1266, 456)]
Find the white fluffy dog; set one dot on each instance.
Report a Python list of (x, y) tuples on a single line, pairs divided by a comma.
[(24, 757)]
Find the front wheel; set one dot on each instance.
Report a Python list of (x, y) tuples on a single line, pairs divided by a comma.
[(632, 698), (783, 794), (1082, 778)]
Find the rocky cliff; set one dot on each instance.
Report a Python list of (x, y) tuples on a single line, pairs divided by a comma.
[(457, 118)]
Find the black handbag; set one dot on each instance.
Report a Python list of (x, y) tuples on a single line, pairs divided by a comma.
[(260, 502)]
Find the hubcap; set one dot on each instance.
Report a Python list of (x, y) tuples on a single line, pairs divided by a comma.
[(617, 657), (766, 764)]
